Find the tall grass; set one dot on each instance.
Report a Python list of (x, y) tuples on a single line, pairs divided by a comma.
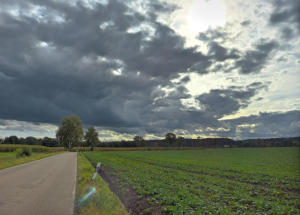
[(12, 148)]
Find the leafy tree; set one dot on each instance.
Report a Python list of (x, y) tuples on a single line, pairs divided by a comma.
[(91, 137), (31, 141), (139, 141), (50, 142), (170, 138), (11, 140), (180, 141), (70, 132)]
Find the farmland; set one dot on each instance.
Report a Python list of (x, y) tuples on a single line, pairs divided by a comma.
[(8, 154), (208, 181)]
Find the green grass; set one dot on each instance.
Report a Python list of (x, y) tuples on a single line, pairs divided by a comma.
[(7, 155), (8, 159), (212, 181), (104, 202), (34, 148)]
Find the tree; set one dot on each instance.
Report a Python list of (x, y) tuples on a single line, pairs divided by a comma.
[(11, 140), (180, 141), (50, 142), (91, 137), (70, 132), (139, 141), (31, 141), (170, 138)]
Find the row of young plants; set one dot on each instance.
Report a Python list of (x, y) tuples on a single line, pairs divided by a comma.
[(285, 183), (179, 191)]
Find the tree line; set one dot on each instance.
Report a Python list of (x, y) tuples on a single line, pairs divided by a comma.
[(70, 133)]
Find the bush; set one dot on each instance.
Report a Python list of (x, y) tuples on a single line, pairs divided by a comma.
[(27, 151), (12, 148), (21, 152)]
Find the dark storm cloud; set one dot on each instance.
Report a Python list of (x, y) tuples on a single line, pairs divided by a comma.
[(219, 53), (221, 102), (266, 125), (55, 69), (285, 13), (112, 66), (254, 60)]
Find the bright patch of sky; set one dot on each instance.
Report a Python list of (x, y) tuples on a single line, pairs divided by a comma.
[(194, 17)]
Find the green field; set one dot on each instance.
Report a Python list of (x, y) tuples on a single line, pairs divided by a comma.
[(211, 181), (9, 159)]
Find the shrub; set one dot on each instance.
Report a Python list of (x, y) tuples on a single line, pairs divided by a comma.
[(12, 148), (21, 152), (27, 151)]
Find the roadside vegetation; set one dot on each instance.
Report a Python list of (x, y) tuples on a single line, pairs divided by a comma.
[(210, 181), (9, 159), (103, 201), (13, 147)]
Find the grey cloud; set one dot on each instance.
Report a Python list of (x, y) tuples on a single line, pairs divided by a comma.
[(213, 34), (221, 102), (287, 33), (282, 59), (219, 53), (254, 60), (266, 125), (286, 12), (58, 69), (251, 61), (113, 76), (246, 23)]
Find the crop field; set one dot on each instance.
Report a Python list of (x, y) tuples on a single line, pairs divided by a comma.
[(210, 181)]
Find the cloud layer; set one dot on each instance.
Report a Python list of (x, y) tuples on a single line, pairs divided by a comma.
[(115, 66)]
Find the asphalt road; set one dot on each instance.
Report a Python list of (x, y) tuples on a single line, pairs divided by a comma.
[(42, 187)]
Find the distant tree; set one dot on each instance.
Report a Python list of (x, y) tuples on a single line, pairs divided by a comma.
[(170, 138), (50, 142), (91, 137), (11, 140), (70, 132), (22, 141), (31, 141), (139, 141), (180, 141)]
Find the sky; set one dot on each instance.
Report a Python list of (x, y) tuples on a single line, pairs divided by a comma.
[(208, 68)]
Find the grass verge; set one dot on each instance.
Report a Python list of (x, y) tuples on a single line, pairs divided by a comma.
[(34, 148), (8, 159), (104, 201)]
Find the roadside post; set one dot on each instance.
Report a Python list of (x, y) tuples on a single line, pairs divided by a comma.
[(96, 171)]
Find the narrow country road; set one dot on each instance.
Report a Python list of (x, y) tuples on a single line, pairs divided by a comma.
[(42, 187)]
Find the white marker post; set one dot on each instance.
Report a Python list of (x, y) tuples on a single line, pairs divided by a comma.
[(97, 169)]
